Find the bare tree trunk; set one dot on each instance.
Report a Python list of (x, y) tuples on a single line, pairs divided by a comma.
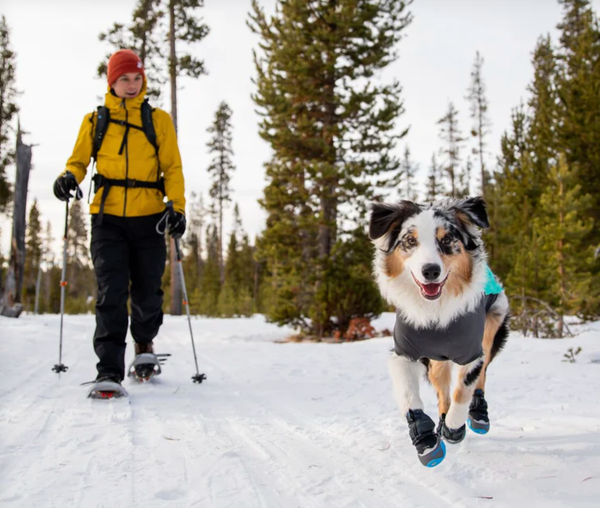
[(38, 286), (176, 290), (220, 242), (561, 267), (452, 156), (481, 149), (173, 62), (256, 273), (11, 305)]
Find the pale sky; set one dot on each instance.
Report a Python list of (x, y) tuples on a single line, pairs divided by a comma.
[(58, 51)]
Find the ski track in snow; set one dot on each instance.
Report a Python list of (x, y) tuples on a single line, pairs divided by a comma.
[(284, 425)]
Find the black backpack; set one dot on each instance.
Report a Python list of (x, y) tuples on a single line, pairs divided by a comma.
[(103, 119)]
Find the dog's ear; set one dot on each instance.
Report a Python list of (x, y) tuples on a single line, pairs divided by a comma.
[(472, 211), (384, 215)]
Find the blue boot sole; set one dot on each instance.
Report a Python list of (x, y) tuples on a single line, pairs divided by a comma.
[(478, 427), (435, 456)]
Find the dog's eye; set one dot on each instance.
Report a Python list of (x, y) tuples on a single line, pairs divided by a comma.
[(411, 241), (447, 240)]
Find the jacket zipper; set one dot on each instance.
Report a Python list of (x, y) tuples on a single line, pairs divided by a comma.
[(126, 157)]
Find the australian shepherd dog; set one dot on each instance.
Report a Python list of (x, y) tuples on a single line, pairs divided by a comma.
[(430, 263)]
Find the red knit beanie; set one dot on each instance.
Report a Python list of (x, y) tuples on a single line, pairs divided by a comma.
[(122, 62)]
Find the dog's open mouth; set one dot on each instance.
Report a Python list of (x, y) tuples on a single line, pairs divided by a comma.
[(430, 291)]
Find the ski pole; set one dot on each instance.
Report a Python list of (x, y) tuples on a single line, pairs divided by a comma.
[(197, 378), (60, 367)]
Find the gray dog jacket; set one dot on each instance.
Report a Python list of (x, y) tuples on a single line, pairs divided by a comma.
[(460, 342)]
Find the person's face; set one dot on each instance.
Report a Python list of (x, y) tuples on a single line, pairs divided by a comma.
[(128, 85)]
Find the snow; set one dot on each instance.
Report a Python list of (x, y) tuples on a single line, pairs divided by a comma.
[(285, 425)]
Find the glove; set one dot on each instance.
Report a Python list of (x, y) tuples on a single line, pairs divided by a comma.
[(177, 225), (63, 186)]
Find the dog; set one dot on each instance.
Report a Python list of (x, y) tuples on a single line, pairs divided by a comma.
[(431, 264)]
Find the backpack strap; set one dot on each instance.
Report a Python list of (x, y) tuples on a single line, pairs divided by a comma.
[(102, 121), (148, 124), (150, 132)]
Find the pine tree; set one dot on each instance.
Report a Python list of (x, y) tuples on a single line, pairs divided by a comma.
[(236, 297), (464, 179), (526, 152), (479, 114), (543, 104), (434, 182), (221, 168), (513, 246), (8, 109), (249, 278), (2, 274), (33, 255), (450, 134), (332, 131), (562, 226), (193, 262), (80, 285), (523, 282), (46, 303), (511, 212), (408, 169), (211, 280), (577, 85), (228, 304)]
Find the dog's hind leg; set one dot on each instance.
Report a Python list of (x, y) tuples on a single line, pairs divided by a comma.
[(494, 335), (494, 338), (440, 376)]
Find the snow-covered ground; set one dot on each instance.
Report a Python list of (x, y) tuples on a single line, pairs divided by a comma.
[(284, 425)]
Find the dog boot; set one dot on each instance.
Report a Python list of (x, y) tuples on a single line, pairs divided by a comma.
[(452, 436), (478, 420), (430, 448)]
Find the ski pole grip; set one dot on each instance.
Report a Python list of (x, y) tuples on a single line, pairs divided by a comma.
[(176, 240), (170, 208), (78, 193)]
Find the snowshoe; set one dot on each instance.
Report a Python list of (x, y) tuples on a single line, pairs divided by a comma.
[(146, 364), (478, 420), (452, 436), (431, 450), (107, 387), (144, 367)]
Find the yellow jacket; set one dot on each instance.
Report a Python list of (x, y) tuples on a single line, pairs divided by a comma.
[(138, 160)]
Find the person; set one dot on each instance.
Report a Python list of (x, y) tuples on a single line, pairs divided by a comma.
[(133, 177)]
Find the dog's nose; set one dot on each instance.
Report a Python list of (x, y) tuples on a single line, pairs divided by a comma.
[(431, 271)]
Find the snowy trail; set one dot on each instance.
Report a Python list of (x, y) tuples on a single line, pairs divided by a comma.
[(284, 425)]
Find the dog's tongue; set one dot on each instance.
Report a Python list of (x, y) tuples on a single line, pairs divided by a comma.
[(431, 289)]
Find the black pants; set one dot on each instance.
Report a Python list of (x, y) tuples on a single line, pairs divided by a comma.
[(129, 260)]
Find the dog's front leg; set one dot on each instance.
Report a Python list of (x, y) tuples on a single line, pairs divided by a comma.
[(406, 376), (453, 428)]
